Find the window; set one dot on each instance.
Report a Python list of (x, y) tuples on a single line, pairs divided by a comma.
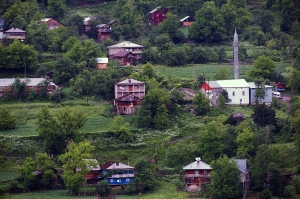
[(243, 93), (118, 180), (233, 93), (111, 180), (124, 108), (240, 100), (205, 171), (217, 93), (196, 171), (127, 179), (229, 100), (266, 95)]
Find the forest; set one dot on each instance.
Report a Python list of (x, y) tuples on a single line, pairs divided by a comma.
[(43, 134)]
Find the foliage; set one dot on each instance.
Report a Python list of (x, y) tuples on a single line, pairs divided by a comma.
[(144, 179), (170, 27), (244, 142), (275, 180), (263, 68), (294, 80), (263, 115), (222, 74), (221, 102), (56, 9), (76, 157), (201, 104), (175, 56), (103, 188), (211, 141), (120, 129), (7, 120), (225, 178), (260, 90)]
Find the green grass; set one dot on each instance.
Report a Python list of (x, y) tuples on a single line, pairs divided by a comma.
[(8, 176), (187, 72)]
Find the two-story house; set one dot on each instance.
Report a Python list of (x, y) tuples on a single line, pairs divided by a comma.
[(117, 173), (157, 15), (195, 174), (103, 32), (128, 96), (15, 33), (131, 51)]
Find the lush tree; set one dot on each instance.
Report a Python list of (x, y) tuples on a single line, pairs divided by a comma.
[(75, 161), (7, 120), (170, 26), (209, 25), (103, 188), (120, 128), (58, 36), (63, 70), (70, 121), (265, 20), (295, 123), (263, 68), (211, 141), (144, 179), (225, 178), (19, 89), (198, 56), (76, 23), (148, 70), (230, 17), (201, 104), (244, 142), (296, 29), (28, 170), (47, 128), (275, 180), (37, 35), (222, 74), (163, 42), (161, 119), (45, 165), (221, 55), (260, 90), (151, 103), (56, 9), (81, 85), (221, 102), (174, 57)]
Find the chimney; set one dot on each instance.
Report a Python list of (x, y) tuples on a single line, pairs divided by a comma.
[(198, 160), (129, 80), (117, 163)]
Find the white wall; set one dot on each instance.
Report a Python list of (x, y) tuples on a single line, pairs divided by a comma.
[(237, 96)]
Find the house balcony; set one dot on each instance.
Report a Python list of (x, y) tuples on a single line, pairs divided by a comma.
[(129, 175), (197, 175)]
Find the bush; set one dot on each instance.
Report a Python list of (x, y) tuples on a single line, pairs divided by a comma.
[(265, 194), (103, 188)]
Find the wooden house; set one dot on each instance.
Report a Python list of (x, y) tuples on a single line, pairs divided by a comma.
[(117, 173), (268, 94), (278, 86), (186, 21), (127, 53), (244, 173), (31, 84), (103, 32), (195, 174), (102, 63), (15, 33), (94, 174), (157, 15), (128, 96), (51, 23)]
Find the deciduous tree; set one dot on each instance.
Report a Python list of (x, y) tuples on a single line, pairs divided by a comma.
[(120, 128), (144, 179), (7, 120), (201, 104), (263, 68)]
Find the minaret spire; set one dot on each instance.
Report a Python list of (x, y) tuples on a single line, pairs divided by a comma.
[(236, 54)]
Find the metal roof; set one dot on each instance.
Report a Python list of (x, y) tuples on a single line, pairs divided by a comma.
[(102, 60), (46, 19), (233, 83), (154, 10), (242, 165), (252, 85), (121, 53), (30, 81), (213, 84), (197, 165), (14, 30), (126, 44), (119, 166), (128, 81), (181, 20)]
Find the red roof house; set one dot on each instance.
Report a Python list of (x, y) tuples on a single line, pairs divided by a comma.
[(157, 15), (51, 23), (278, 86)]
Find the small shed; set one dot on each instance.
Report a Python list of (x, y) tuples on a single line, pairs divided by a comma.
[(238, 116), (102, 63), (186, 21)]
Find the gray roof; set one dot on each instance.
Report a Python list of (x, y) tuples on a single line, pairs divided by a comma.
[(213, 84), (154, 10), (102, 60), (197, 165), (126, 81), (126, 44), (252, 85), (119, 166), (233, 83), (181, 20), (30, 81), (15, 30), (242, 165)]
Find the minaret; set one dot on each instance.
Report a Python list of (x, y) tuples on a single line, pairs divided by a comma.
[(236, 55)]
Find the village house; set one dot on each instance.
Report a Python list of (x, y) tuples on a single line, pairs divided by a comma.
[(117, 173), (128, 96), (195, 174), (31, 84), (94, 174), (15, 33), (237, 89), (102, 63), (186, 21), (103, 32), (244, 173), (278, 86), (268, 94), (86, 23), (127, 53), (51, 23), (157, 15)]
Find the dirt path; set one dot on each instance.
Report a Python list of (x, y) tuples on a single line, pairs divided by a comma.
[(286, 98)]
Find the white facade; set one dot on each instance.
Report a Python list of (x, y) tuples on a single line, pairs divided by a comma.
[(268, 95), (237, 89)]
